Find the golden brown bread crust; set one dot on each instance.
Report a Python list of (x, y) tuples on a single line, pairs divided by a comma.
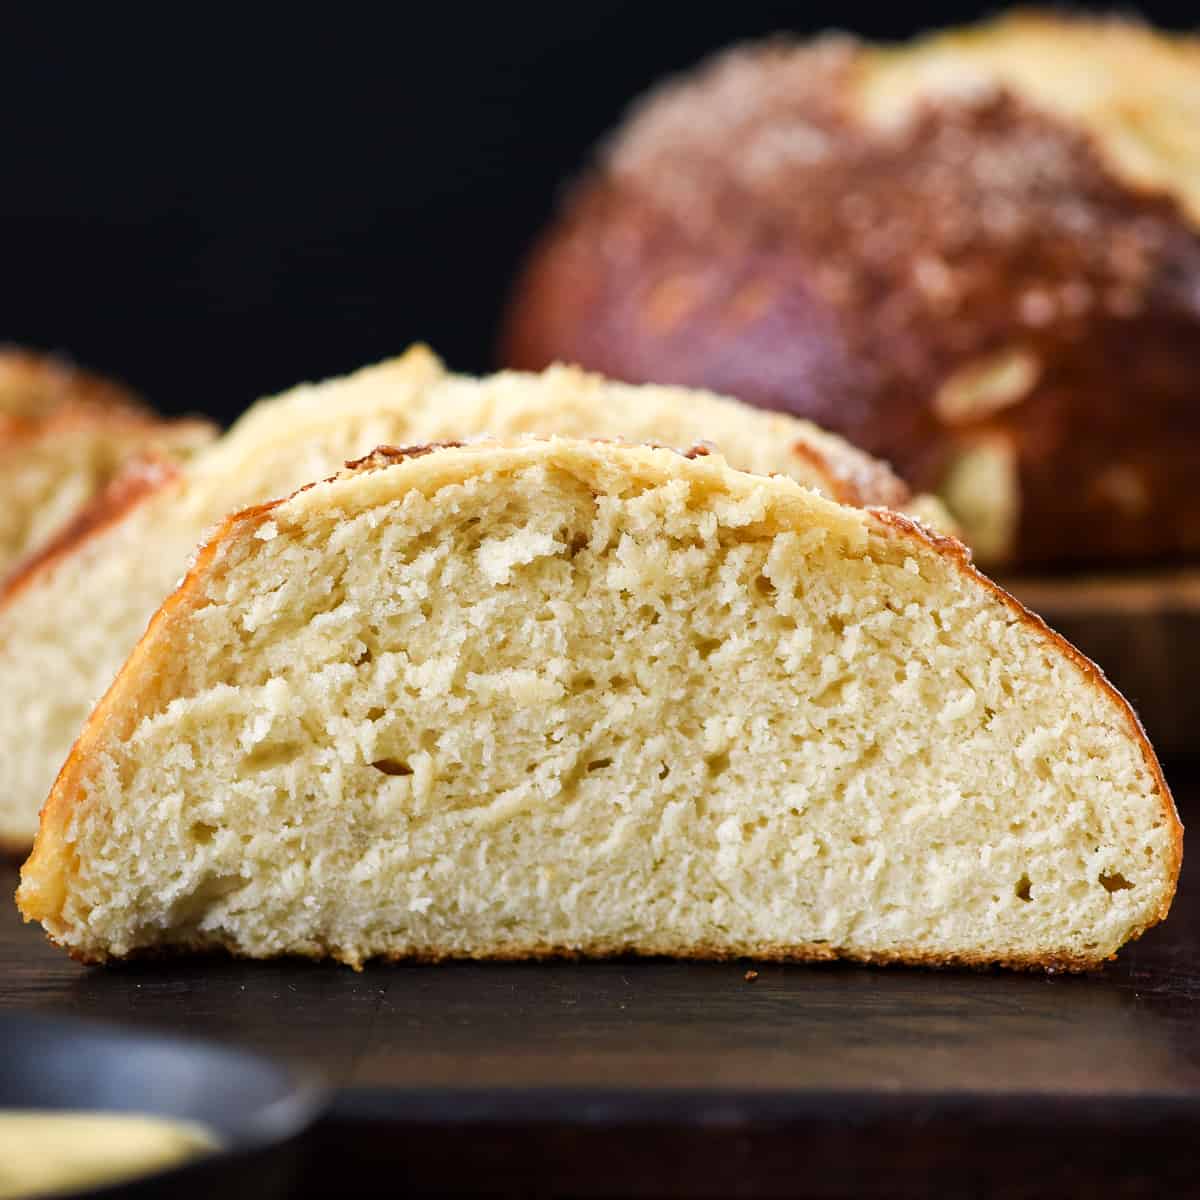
[(74, 416), (52, 843), (33, 384), (383, 456), (43, 395), (747, 231)]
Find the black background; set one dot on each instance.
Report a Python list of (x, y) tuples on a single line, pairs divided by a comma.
[(216, 206)]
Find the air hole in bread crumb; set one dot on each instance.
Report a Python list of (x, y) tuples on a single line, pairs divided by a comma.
[(649, 614), (717, 763), (764, 586), (374, 714), (392, 766), (202, 833), (267, 755), (577, 543), (1114, 881), (364, 658), (706, 646), (599, 764), (664, 771), (1024, 888)]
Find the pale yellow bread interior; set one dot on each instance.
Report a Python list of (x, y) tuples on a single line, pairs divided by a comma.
[(64, 434), (66, 627), (50, 470), (1134, 89), (568, 697)]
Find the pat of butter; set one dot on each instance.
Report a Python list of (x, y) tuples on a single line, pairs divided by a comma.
[(42, 1152)]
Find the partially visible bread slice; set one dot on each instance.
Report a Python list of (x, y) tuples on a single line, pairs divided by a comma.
[(64, 434), (51, 469), (564, 697), (67, 624)]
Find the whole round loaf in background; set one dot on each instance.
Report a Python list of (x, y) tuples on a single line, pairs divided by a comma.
[(977, 256)]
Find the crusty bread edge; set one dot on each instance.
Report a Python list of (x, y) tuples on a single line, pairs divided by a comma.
[(44, 876), (75, 416), (64, 382)]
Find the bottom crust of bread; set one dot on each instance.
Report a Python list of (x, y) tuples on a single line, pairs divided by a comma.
[(807, 952)]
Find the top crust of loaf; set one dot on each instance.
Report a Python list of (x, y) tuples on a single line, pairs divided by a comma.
[(987, 169), (1132, 87), (840, 98), (390, 472), (33, 385)]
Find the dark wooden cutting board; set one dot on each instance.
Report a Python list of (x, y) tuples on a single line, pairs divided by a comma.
[(657, 1077)]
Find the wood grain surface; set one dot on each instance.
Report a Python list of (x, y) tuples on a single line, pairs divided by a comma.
[(629, 1077)]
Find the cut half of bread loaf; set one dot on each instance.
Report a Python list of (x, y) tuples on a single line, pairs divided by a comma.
[(68, 622), (569, 697), (64, 434)]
